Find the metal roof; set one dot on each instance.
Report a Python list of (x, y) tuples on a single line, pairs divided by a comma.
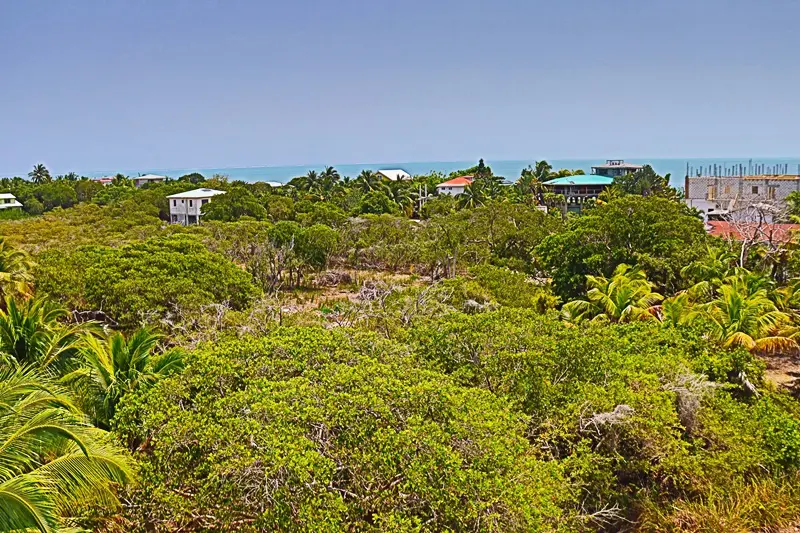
[(197, 193), (581, 179), (148, 177), (461, 181), (7, 196), (395, 174)]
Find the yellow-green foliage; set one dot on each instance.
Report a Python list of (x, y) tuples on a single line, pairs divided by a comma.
[(312, 430)]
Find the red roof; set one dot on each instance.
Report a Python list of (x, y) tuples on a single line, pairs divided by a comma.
[(460, 181), (752, 231)]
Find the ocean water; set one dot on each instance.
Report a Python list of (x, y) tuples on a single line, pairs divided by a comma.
[(508, 169)]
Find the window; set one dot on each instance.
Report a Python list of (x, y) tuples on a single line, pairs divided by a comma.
[(727, 189), (712, 192), (204, 201), (174, 203), (754, 189), (771, 192), (191, 204)]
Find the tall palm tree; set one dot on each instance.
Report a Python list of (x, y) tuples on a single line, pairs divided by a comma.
[(329, 178), (52, 461), (751, 320), (492, 186), (473, 196), (113, 367), (709, 272), (625, 297), (529, 186), (369, 180), (403, 195), (40, 174), (16, 272), (32, 333)]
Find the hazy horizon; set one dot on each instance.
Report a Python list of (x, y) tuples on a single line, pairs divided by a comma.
[(203, 84)]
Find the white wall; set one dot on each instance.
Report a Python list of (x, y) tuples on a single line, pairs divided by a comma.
[(452, 191), (183, 208)]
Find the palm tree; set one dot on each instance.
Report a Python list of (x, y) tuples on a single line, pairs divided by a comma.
[(52, 461), (403, 195), (625, 297), (121, 180), (40, 174), (473, 196), (306, 183), (529, 186), (369, 181), (678, 310), (492, 186), (32, 333), (113, 367), (329, 178), (710, 272), (16, 277), (751, 320)]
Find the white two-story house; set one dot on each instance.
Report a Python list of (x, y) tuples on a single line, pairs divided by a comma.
[(455, 186), (140, 181), (8, 201), (184, 208)]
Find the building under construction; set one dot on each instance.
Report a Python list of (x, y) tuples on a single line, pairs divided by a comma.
[(717, 196)]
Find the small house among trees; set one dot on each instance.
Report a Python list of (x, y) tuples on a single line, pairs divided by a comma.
[(184, 208), (9, 201)]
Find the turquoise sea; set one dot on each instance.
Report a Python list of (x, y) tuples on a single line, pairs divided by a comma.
[(508, 169)]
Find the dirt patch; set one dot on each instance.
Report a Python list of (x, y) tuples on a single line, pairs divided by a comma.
[(783, 371)]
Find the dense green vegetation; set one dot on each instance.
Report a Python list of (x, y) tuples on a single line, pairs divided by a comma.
[(338, 355)]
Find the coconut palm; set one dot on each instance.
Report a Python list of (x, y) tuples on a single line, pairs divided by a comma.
[(625, 297), (40, 174), (710, 272), (403, 195), (31, 332), (369, 181), (16, 276), (329, 179), (787, 298), (52, 461), (473, 196), (679, 310), (113, 367), (749, 319), (491, 185), (530, 187)]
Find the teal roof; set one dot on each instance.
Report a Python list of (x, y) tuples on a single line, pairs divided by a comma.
[(581, 179)]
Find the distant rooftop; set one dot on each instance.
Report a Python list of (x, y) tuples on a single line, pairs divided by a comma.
[(762, 232), (149, 177), (8, 196), (618, 163), (395, 174), (197, 193), (581, 179), (460, 181)]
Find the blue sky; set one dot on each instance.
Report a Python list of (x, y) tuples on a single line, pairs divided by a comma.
[(167, 84)]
